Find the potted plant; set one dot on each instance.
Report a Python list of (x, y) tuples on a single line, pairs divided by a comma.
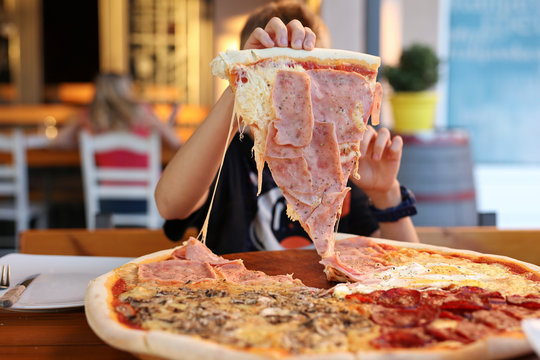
[(413, 104)]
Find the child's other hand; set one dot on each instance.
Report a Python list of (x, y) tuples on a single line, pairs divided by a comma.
[(379, 163), (276, 33)]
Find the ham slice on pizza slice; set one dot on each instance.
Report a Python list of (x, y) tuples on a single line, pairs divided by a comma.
[(307, 111)]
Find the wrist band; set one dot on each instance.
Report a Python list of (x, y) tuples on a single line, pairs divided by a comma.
[(392, 214)]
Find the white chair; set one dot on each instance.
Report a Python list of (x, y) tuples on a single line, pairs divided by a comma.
[(15, 205), (120, 183)]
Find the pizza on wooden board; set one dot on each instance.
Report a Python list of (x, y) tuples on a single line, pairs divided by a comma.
[(416, 302)]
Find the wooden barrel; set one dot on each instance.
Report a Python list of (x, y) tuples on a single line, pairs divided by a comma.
[(437, 166)]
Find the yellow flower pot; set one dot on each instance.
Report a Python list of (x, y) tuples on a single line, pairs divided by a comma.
[(413, 111)]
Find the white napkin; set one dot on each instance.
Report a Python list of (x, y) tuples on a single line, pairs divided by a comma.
[(531, 328)]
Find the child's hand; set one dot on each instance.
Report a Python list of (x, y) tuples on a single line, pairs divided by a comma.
[(379, 163), (276, 33)]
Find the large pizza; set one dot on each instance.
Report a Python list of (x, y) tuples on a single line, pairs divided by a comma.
[(416, 301), (307, 111)]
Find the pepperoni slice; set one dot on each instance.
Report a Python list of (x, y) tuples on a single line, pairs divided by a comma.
[(496, 319), (467, 298), (518, 312), (529, 301), (449, 315), (402, 338), (495, 298), (472, 330), (443, 334), (403, 318), (400, 298), (464, 304), (435, 297)]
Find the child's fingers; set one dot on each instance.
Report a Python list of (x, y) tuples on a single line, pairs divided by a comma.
[(366, 140), (297, 33), (262, 37), (277, 29), (381, 142), (395, 149), (309, 40)]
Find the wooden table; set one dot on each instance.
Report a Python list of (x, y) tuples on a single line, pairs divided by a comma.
[(52, 335)]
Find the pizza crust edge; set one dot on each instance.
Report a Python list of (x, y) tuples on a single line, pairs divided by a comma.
[(225, 60)]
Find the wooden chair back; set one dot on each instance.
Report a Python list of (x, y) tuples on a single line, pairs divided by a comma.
[(120, 183), (15, 205)]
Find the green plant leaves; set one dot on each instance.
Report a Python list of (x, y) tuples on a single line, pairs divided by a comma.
[(417, 69)]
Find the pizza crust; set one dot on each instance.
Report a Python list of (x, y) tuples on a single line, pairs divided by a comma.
[(222, 63), (160, 344), (100, 318)]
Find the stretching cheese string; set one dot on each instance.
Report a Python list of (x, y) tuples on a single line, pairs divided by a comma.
[(204, 229)]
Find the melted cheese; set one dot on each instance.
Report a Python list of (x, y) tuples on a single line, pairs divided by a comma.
[(452, 273), (253, 103), (254, 97)]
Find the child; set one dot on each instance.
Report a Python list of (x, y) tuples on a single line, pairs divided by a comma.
[(241, 221)]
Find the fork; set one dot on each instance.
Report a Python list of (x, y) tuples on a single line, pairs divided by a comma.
[(4, 277)]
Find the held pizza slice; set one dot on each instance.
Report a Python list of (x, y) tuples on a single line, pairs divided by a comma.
[(307, 111)]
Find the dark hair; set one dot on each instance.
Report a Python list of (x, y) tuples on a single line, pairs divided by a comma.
[(287, 11)]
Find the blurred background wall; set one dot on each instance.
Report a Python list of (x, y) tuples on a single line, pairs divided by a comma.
[(489, 76)]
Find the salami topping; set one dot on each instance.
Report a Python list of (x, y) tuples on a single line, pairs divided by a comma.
[(495, 298), (402, 338), (496, 319), (467, 298), (473, 331), (403, 318), (446, 333), (449, 315), (518, 312), (529, 301), (400, 298)]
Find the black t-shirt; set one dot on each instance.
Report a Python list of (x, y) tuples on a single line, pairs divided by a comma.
[(242, 221)]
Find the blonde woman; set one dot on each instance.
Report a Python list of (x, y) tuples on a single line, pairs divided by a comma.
[(115, 108)]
